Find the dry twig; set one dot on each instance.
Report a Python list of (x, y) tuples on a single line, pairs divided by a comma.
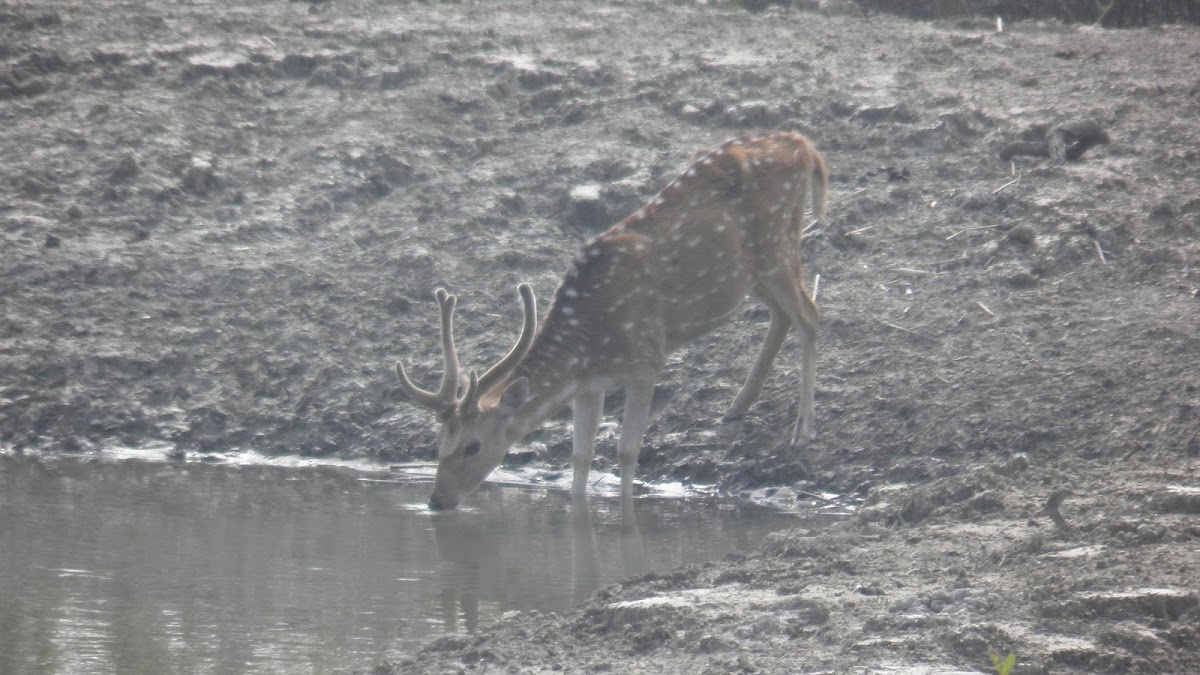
[(813, 495), (977, 227), (1014, 181), (910, 331), (852, 196), (909, 270)]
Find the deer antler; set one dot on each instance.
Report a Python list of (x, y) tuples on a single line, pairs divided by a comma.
[(444, 399), (502, 368)]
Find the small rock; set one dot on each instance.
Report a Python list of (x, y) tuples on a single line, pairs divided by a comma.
[(754, 114), (588, 208), (512, 202), (34, 86), (1023, 234), (298, 65), (200, 177), (691, 113), (546, 99), (35, 188), (1176, 499), (401, 77), (537, 79), (127, 168), (1147, 532), (710, 644), (885, 113)]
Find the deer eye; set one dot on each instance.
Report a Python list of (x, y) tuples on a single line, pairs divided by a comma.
[(472, 449)]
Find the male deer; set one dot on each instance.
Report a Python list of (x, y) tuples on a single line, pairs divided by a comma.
[(729, 226)]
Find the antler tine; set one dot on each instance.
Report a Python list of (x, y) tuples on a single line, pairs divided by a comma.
[(505, 365), (449, 389), (468, 403), (427, 399)]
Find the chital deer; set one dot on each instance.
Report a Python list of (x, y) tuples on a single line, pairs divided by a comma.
[(729, 226)]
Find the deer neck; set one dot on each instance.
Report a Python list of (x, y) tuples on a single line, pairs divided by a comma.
[(555, 367)]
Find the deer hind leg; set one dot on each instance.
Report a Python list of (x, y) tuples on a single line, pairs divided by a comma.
[(788, 291), (639, 393), (776, 333), (589, 407)]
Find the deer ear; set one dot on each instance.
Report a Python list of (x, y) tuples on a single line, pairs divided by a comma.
[(515, 394)]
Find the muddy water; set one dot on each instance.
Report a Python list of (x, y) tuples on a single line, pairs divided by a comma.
[(134, 566)]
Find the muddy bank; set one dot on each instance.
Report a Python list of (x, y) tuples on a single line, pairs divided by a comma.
[(985, 571), (221, 227)]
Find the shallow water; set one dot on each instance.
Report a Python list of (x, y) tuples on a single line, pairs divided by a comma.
[(133, 566)]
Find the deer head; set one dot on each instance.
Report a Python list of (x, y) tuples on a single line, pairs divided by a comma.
[(474, 435)]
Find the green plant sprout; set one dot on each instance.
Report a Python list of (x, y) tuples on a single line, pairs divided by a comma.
[(1003, 667)]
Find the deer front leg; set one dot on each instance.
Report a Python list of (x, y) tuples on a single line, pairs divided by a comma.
[(762, 365), (589, 406), (638, 395)]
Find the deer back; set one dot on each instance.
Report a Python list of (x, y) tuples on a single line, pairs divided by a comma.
[(680, 265)]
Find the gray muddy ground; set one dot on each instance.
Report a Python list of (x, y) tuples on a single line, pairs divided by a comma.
[(221, 225)]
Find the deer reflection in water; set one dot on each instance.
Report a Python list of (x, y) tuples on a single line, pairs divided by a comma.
[(475, 550)]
